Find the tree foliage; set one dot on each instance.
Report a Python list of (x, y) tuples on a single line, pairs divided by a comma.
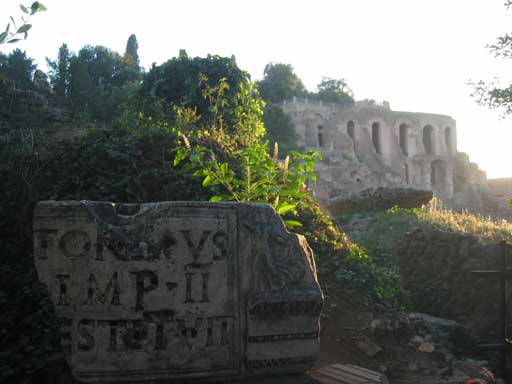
[(245, 173), (280, 83), (97, 82), (185, 82), (280, 129), (131, 54), (335, 91), (496, 95), (18, 68), (59, 71)]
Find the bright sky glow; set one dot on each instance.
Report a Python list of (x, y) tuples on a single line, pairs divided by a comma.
[(418, 55)]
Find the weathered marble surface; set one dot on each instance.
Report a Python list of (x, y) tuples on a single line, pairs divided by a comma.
[(177, 290)]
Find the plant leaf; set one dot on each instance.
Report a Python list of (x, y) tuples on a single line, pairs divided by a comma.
[(207, 181), (285, 208), (290, 224), (34, 7), (24, 28)]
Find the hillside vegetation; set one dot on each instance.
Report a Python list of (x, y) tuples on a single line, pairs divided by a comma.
[(103, 129), (379, 233)]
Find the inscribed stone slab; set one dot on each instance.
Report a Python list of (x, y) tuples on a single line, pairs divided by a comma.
[(177, 290)]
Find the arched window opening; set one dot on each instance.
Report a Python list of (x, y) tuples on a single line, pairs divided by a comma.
[(448, 139), (403, 138), (376, 136), (428, 139), (406, 173), (320, 136), (350, 129)]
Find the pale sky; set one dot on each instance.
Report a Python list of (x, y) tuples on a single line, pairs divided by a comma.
[(417, 54)]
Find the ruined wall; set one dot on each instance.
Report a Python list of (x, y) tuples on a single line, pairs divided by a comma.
[(435, 268), (369, 146)]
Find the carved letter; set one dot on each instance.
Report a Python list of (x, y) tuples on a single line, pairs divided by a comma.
[(113, 336), (87, 340), (195, 250), (209, 332), (224, 333), (220, 240), (205, 298), (63, 289), (96, 296), (45, 237), (189, 279), (99, 251), (142, 288), (134, 334), (188, 291), (75, 243), (160, 318), (188, 334)]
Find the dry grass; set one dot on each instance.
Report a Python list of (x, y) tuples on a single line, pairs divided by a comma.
[(485, 228)]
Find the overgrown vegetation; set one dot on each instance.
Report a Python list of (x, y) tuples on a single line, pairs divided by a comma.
[(486, 229), (190, 129), (379, 234)]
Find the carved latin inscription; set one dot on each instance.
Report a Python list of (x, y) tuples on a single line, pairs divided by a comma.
[(172, 291)]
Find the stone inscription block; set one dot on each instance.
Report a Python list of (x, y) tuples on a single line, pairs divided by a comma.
[(177, 290)]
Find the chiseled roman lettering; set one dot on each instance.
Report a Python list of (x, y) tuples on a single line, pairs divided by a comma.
[(188, 288), (45, 237), (135, 334), (141, 277), (85, 338), (189, 334), (96, 296), (224, 332), (63, 290), (205, 298), (195, 249), (189, 281), (112, 344), (220, 240), (159, 318), (99, 251)]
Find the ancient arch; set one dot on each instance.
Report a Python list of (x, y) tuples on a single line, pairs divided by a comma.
[(350, 130), (428, 139), (403, 134), (376, 137), (320, 136)]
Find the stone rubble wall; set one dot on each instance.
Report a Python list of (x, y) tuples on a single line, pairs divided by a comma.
[(435, 267)]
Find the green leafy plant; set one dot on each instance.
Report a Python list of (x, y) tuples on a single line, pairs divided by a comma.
[(239, 163), (259, 178), (9, 36)]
